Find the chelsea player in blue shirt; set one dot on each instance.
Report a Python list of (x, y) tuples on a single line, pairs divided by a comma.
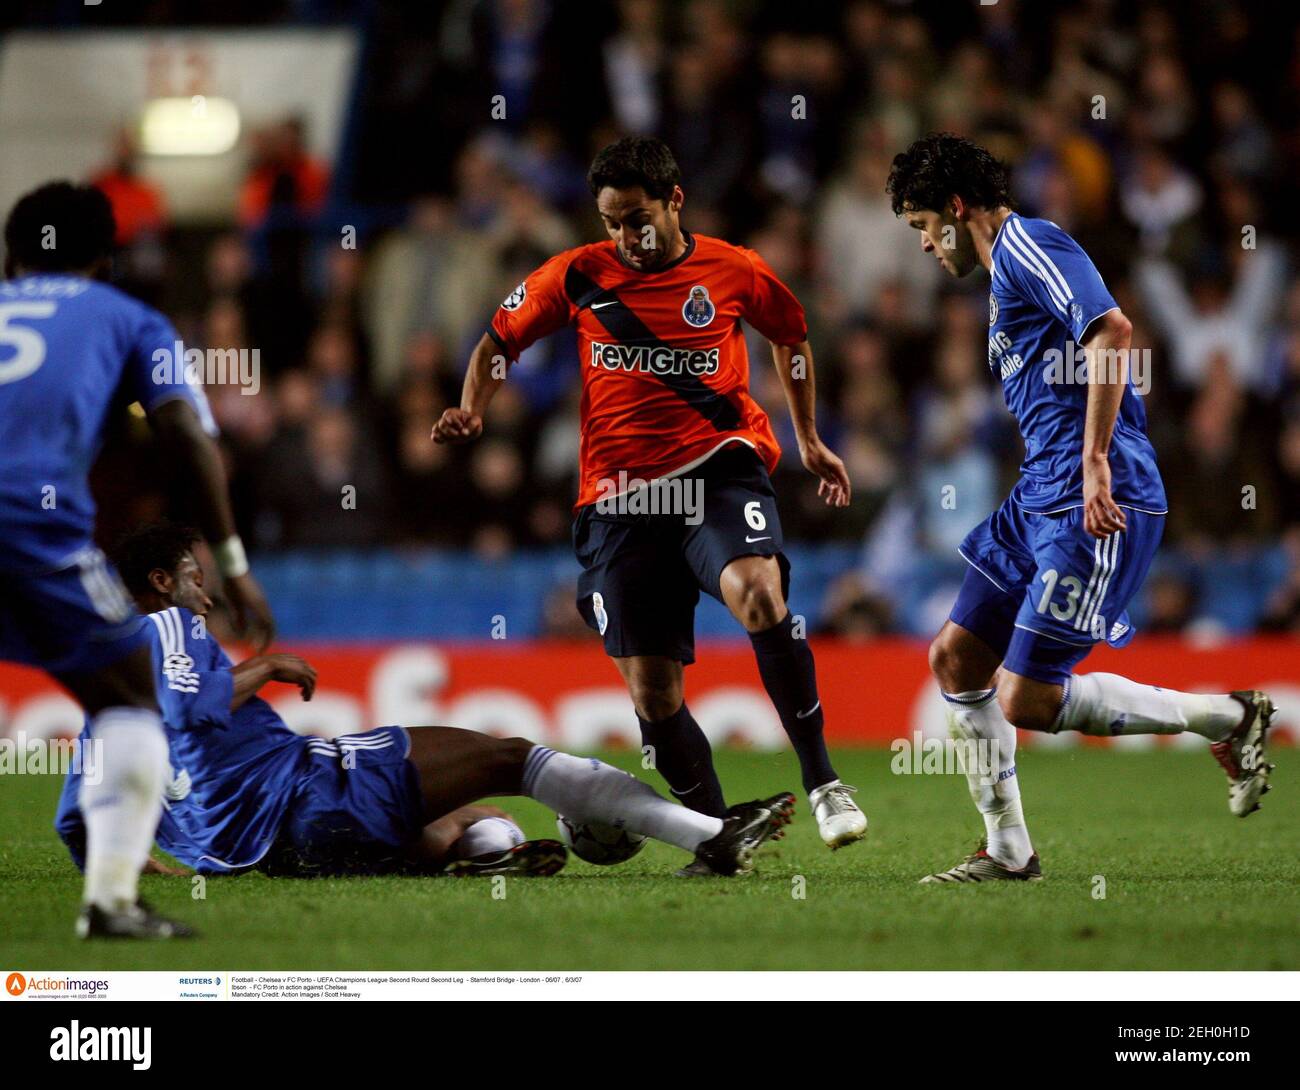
[(1053, 569), (245, 791), (73, 349)]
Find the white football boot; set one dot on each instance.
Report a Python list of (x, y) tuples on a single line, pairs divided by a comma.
[(839, 819), (979, 866), (1242, 755)]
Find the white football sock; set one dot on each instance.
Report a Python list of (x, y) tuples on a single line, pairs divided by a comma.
[(1107, 704), (489, 836), (991, 772), (585, 789), (121, 800)]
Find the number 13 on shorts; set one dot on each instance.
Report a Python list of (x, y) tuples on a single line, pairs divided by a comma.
[(1060, 597), (1074, 596)]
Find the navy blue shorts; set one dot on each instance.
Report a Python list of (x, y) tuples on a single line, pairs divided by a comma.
[(1042, 591), (357, 809), (643, 573), (75, 618)]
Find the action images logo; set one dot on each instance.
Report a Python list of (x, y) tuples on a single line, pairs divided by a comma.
[(655, 359), (44, 987)]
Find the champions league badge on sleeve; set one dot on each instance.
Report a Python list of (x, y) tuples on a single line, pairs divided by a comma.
[(515, 299), (698, 310)]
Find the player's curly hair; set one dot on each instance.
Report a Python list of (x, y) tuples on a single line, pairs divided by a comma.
[(635, 160), (59, 227), (941, 166), (154, 545)]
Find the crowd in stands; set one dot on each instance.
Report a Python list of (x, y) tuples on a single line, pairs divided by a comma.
[(1164, 137)]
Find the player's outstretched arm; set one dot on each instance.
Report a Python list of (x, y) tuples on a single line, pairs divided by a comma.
[(795, 366), (181, 433), (485, 375), (251, 674), (1106, 349)]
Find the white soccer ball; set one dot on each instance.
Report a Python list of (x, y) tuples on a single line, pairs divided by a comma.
[(600, 844)]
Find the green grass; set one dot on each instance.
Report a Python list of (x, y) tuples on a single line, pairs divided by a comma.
[(1187, 887)]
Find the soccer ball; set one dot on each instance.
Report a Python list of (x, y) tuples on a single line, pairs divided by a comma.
[(600, 844)]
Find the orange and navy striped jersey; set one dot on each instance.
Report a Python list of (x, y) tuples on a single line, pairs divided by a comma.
[(665, 374)]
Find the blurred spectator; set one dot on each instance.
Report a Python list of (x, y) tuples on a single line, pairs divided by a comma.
[(140, 210), (1216, 320), (283, 174), (634, 58), (1220, 491), (332, 360), (959, 475), (1171, 604), (1244, 146), (851, 611), (497, 497), (428, 279), (138, 204), (1158, 197), (333, 494), (710, 134), (863, 246), (1165, 100)]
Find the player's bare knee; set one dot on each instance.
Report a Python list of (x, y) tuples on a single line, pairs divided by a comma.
[(1025, 708), (960, 662), (943, 662), (656, 704), (756, 602), (948, 665), (655, 695)]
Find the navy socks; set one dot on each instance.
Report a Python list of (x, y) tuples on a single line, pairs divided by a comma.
[(683, 757), (790, 677)]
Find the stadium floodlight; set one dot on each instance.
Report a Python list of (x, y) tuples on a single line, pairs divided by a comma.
[(198, 125)]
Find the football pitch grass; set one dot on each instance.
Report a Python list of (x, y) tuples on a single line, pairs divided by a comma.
[(1186, 886)]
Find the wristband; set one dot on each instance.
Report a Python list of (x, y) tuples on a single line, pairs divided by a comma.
[(231, 559)]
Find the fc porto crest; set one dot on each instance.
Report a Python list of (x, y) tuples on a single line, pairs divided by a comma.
[(698, 310), (993, 308)]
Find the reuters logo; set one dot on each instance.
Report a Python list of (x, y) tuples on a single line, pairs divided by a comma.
[(15, 984)]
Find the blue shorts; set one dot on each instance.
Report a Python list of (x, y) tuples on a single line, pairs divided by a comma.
[(356, 810), (74, 618), (1042, 592), (642, 574)]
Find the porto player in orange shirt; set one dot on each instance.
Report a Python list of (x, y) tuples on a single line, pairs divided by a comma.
[(674, 493)]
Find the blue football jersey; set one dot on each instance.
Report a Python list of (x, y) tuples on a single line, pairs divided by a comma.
[(70, 348), (1046, 292), (233, 774)]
